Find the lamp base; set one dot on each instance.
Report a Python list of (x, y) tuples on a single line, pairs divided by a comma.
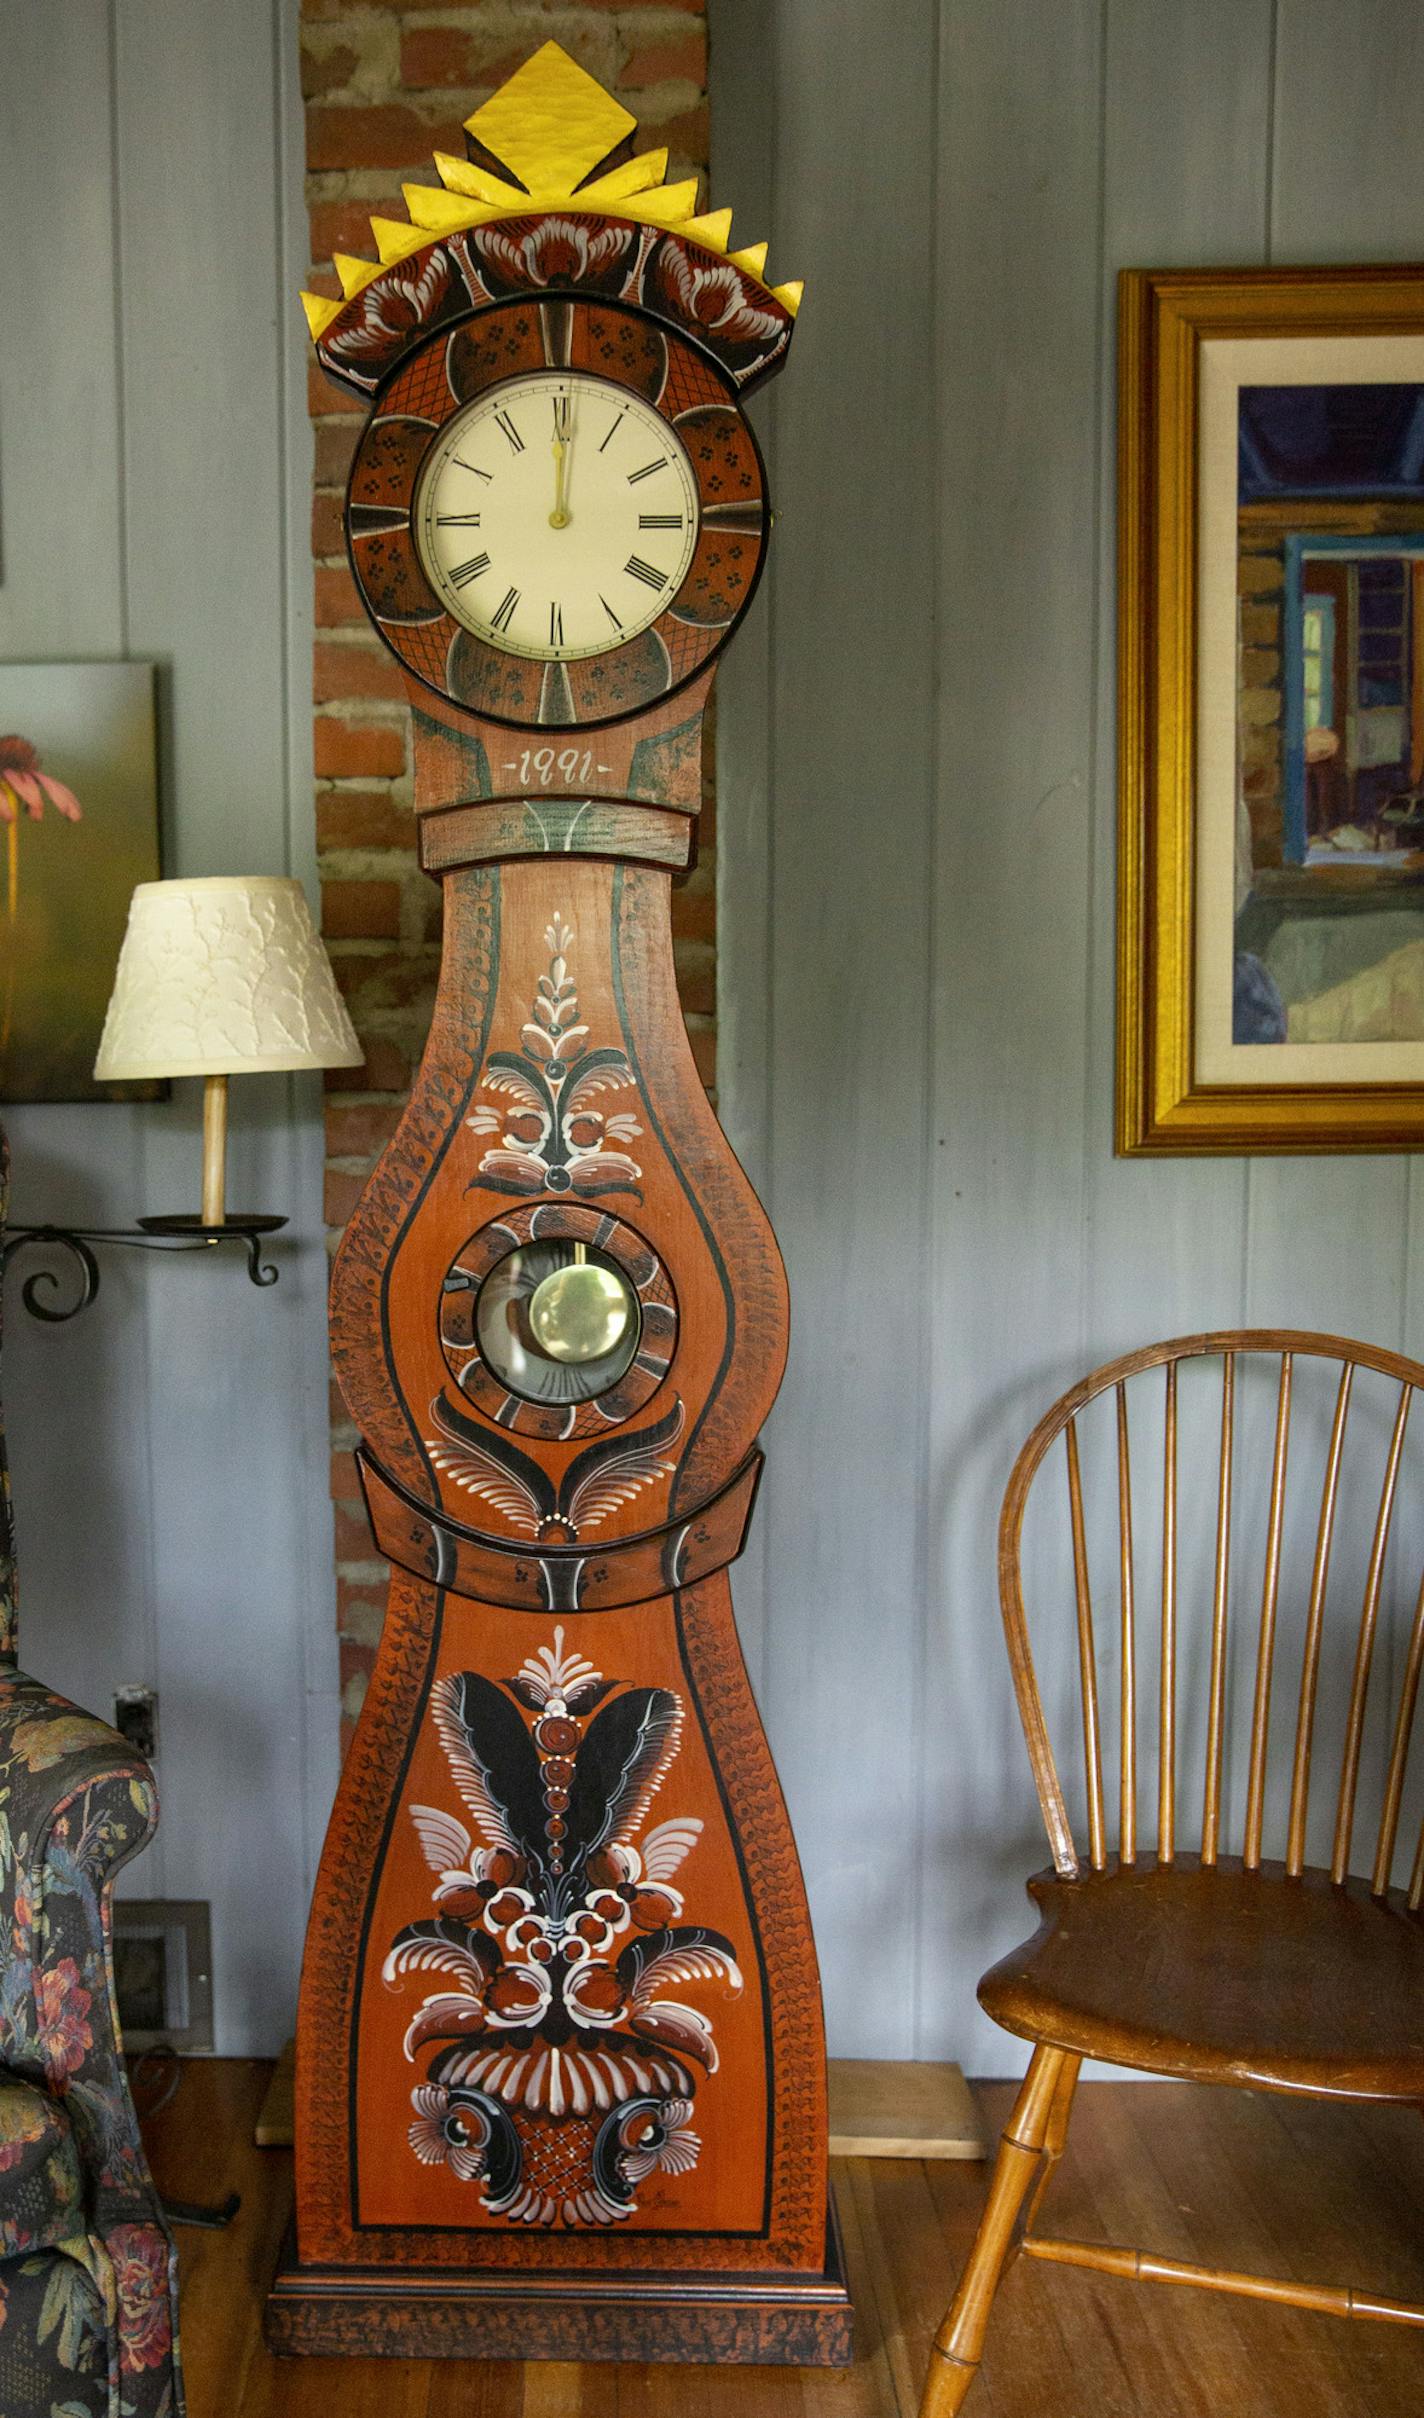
[(237, 1221), (195, 1233)]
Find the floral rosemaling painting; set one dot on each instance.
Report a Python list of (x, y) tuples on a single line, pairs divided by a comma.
[(566, 2057), (550, 1133), (709, 298)]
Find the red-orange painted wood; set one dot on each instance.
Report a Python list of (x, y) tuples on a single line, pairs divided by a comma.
[(561, 2071)]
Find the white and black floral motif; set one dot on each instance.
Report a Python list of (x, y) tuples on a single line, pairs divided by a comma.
[(685, 286), (389, 314), (553, 1135), (712, 298), (555, 252), (608, 1473), (566, 2072)]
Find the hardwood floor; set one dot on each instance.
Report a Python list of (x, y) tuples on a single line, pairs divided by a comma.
[(1242, 2179)]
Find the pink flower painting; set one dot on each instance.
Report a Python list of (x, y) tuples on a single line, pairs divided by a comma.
[(24, 790), (78, 831), (24, 784)]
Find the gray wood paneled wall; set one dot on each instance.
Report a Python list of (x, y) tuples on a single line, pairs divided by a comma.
[(917, 869), (916, 865), (169, 1448)]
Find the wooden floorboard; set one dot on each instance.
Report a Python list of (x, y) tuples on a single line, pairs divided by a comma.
[(1334, 2194)]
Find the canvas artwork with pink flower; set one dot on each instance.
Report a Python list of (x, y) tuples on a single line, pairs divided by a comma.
[(78, 828)]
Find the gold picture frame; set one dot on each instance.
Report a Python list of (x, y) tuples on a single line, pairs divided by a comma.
[(1271, 710)]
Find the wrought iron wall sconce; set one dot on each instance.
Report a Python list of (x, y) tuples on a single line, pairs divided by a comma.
[(215, 978), (40, 1289), (220, 977)]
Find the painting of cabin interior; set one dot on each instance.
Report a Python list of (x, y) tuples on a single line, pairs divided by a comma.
[(1330, 714)]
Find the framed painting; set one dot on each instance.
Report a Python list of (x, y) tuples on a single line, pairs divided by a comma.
[(78, 829), (1271, 710)]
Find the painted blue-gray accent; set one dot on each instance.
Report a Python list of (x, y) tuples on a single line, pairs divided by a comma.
[(916, 855), (192, 1407)]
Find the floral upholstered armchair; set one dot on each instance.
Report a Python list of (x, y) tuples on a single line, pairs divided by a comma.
[(88, 2276)]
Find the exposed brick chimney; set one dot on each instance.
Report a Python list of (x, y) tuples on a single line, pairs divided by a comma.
[(386, 86)]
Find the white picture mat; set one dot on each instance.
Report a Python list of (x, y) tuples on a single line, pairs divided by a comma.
[(1228, 364)]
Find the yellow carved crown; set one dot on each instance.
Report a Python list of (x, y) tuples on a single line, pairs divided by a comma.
[(551, 124)]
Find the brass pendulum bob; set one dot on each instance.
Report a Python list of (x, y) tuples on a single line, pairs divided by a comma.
[(579, 1312)]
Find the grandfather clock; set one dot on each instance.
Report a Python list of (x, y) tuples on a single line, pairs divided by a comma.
[(560, 2066)]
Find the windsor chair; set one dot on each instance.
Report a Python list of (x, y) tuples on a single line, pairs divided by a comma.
[(1191, 1962)]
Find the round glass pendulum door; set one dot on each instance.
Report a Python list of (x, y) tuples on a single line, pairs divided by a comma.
[(557, 1321)]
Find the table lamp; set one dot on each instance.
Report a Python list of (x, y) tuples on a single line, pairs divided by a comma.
[(221, 977)]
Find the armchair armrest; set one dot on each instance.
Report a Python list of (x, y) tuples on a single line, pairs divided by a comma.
[(51, 1754), (76, 1803)]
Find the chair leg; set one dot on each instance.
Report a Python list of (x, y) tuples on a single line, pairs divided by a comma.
[(959, 2344), (1056, 2138)]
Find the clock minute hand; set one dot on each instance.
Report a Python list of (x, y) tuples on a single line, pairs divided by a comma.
[(559, 517)]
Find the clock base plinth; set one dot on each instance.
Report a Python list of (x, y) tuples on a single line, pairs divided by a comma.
[(754, 2320)]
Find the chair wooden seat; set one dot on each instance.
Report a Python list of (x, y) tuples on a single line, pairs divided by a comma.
[(1165, 1952), (1224, 1976)]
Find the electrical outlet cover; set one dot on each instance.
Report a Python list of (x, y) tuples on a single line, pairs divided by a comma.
[(163, 1972)]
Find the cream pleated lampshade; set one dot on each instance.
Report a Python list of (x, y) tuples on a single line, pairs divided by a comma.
[(222, 977)]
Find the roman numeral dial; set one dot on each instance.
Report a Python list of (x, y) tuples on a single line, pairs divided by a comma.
[(583, 508)]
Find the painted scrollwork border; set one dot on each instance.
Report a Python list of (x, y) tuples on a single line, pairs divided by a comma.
[(434, 1116), (706, 299)]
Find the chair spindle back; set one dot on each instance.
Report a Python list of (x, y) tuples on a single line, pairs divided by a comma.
[(1178, 1609)]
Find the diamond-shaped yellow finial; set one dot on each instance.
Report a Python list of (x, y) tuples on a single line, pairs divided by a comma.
[(550, 127), (551, 124)]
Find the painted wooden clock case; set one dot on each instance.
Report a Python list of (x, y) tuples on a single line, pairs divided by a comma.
[(561, 2078)]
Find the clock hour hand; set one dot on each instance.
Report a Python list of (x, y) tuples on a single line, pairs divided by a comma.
[(559, 517)]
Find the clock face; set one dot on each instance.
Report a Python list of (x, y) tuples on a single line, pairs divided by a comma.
[(556, 516)]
